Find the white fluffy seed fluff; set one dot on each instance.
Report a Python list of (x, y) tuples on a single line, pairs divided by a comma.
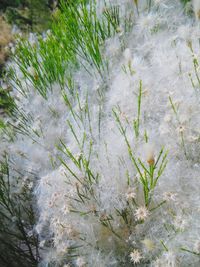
[(158, 46)]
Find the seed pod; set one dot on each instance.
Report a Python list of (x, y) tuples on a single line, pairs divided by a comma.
[(150, 158)]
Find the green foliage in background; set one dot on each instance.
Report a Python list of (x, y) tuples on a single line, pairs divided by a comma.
[(185, 1), (18, 243), (32, 15)]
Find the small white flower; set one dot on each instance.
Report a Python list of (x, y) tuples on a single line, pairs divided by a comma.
[(30, 185), (169, 196), (66, 209), (130, 194), (181, 129), (135, 256), (141, 213)]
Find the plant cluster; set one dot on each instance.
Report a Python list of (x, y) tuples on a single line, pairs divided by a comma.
[(103, 128)]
